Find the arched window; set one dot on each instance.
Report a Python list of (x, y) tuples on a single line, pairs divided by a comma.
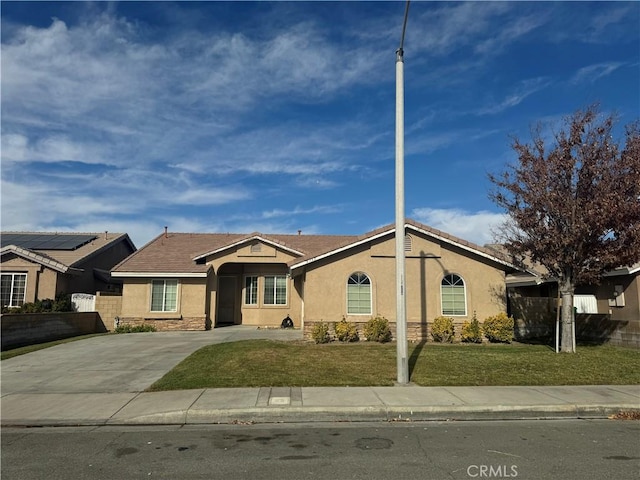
[(359, 294), (453, 295)]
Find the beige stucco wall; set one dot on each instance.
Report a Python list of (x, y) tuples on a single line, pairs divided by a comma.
[(197, 298), (242, 254), (271, 315), (136, 298), (108, 306), (240, 262), (42, 282), (326, 292), (322, 284), (631, 288)]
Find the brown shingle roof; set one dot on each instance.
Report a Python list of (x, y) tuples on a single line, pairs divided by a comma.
[(71, 258), (175, 253)]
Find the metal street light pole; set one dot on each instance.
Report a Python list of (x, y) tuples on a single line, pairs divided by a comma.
[(401, 303)]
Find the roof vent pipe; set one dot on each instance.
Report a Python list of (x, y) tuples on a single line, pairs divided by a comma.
[(166, 235), (299, 232), (106, 235)]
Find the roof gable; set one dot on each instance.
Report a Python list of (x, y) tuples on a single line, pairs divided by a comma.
[(250, 239), (425, 230), (34, 257), (68, 249)]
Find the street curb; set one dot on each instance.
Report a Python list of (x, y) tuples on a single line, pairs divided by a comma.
[(270, 415)]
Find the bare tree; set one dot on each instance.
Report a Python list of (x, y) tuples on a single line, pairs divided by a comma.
[(573, 206)]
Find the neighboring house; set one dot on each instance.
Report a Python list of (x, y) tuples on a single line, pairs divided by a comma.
[(608, 311), (189, 281), (37, 266)]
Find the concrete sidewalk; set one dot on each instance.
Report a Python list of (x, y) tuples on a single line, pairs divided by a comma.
[(311, 404)]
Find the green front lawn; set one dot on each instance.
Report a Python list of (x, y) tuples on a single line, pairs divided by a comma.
[(258, 363)]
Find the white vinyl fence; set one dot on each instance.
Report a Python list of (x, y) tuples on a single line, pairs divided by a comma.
[(585, 303), (83, 302)]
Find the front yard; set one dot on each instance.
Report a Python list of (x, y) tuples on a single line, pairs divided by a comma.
[(259, 363)]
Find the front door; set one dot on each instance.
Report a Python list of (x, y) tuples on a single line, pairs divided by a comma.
[(226, 314)]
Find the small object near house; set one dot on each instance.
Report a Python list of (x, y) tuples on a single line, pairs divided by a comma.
[(287, 323)]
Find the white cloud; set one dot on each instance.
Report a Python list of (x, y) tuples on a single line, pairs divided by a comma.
[(592, 73), (315, 182), (523, 90), (107, 118), (13, 147), (509, 32), (112, 96), (209, 196), (476, 227), (324, 209), (454, 25)]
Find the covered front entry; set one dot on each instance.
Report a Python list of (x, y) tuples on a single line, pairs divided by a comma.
[(255, 293), (227, 300)]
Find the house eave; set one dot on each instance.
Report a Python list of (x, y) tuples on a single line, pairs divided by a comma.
[(297, 265), (32, 256), (464, 247), (301, 264), (623, 271), (160, 274)]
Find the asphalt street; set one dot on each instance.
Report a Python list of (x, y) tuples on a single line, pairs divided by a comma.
[(536, 450)]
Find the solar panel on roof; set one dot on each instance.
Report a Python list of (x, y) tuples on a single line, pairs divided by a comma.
[(46, 241)]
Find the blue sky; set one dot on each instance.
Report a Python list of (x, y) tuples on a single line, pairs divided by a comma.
[(278, 117)]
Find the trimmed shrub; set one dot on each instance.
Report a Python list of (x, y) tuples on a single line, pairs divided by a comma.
[(472, 331), (442, 330), (62, 303), (145, 327), (346, 331), (377, 330), (320, 333), (498, 328)]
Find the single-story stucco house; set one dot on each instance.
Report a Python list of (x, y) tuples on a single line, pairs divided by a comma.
[(192, 281), (40, 265)]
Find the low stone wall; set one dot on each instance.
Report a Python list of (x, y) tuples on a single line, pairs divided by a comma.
[(601, 329), (627, 334), (169, 324), (20, 329)]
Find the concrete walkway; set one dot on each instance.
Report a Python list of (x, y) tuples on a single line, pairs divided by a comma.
[(100, 381)]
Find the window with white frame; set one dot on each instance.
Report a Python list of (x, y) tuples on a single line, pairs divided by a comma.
[(359, 294), (250, 290), (275, 290), (13, 289), (453, 295), (164, 295)]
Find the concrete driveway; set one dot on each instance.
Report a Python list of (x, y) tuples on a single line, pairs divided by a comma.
[(116, 363)]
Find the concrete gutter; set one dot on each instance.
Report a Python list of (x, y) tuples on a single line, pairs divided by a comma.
[(311, 404)]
